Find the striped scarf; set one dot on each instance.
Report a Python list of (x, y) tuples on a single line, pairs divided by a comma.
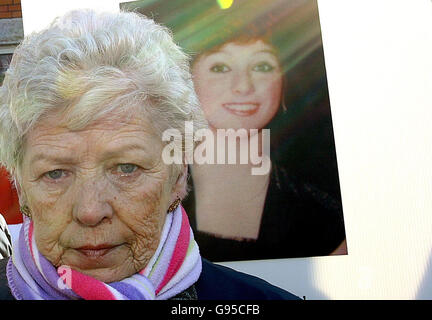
[(175, 266)]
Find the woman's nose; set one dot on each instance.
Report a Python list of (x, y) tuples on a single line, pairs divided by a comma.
[(91, 207), (242, 83)]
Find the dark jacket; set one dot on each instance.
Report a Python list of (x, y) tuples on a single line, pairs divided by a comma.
[(216, 282)]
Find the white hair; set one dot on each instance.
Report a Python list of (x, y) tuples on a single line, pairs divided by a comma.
[(88, 64)]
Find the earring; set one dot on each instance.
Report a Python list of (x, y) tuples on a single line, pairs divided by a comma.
[(25, 210), (174, 205)]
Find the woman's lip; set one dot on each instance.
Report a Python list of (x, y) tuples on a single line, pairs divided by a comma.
[(242, 109), (95, 251)]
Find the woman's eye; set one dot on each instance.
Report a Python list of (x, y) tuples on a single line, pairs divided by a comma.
[(220, 68), (263, 67), (55, 174), (126, 168)]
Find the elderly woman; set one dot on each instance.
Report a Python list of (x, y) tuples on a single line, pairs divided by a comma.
[(82, 111)]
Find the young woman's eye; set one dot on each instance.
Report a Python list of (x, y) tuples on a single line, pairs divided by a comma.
[(220, 68), (126, 168), (55, 174), (263, 67)]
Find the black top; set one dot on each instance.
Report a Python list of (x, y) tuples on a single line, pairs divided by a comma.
[(302, 215), (299, 220), (215, 283)]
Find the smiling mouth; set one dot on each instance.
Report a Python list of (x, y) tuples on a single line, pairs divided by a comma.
[(242, 109)]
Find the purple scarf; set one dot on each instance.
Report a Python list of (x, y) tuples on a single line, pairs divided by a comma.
[(175, 266)]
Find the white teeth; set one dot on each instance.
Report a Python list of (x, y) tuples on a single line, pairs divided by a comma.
[(241, 107)]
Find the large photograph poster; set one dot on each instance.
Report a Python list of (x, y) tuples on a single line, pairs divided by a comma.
[(259, 64)]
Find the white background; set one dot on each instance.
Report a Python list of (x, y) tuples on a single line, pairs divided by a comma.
[(379, 65)]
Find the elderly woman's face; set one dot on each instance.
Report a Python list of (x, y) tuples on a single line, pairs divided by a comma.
[(239, 85), (98, 196)]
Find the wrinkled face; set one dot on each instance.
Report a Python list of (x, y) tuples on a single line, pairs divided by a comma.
[(98, 196), (239, 85)]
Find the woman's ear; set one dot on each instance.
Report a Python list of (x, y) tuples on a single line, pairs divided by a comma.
[(180, 186), (19, 191)]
